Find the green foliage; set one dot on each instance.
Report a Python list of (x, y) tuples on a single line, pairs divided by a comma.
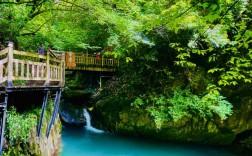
[(155, 38), (217, 104), (19, 83), (222, 39), (18, 126), (182, 103), (137, 103), (76, 81)]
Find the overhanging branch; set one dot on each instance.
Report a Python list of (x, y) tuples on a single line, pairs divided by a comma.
[(16, 3), (48, 10), (34, 32)]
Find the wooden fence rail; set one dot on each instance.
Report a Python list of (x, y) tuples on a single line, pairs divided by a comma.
[(18, 68), (93, 63)]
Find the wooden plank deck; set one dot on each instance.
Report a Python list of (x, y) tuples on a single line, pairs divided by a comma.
[(20, 69)]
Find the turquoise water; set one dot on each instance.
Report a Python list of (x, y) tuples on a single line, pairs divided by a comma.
[(83, 142)]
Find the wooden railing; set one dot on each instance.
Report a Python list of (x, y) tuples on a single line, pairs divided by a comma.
[(94, 63), (18, 68), (89, 59)]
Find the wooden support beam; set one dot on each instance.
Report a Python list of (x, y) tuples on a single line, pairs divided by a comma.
[(100, 81), (3, 120), (54, 113), (42, 113)]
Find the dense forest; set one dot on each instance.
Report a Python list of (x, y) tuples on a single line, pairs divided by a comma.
[(183, 58)]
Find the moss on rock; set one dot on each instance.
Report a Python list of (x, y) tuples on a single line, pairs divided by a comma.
[(122, 118), (42, 146)]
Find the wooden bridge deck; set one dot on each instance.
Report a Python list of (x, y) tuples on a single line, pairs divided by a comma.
[(19, 69)]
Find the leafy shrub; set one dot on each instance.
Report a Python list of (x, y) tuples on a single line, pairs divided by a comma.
[(18, 126), (182, 103)]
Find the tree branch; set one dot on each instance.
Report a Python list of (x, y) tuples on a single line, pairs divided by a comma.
[(182, 13), (17, 3), (76, 5), (34, 32), (230, 8), (48, 10)]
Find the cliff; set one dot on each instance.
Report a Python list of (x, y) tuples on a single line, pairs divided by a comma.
[(116, 114)]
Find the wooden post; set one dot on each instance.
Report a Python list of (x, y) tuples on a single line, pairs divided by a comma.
[(10, 64), (100, 81), (62, 70), (33, 71), (1, 71), (22, 69), (16, 68), (87, 58), (102, 60), (37, 70), (47, 68), (42, 71), (27, 69)]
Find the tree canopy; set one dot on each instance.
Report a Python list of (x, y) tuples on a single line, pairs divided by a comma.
[(159, 40)]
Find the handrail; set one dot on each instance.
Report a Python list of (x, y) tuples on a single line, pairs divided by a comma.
[(90, 59), (3, 64), (4, 51), (23, 53), (3, 61), (17, 66), (31, 67)]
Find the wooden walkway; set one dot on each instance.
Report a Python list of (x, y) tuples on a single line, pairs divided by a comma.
[(93, 63), (25, 71), (19, 69)]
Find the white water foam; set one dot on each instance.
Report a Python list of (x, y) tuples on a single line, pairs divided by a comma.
[(88, 121)]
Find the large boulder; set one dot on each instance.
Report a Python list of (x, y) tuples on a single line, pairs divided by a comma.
[(118, 116), (72, 119), (71, 107)]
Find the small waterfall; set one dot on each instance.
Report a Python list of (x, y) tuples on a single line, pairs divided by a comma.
[(88, 121)]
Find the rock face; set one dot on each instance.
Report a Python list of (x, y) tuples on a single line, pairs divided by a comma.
[(42, 146), (72, 119), (117, 115), (71, 108), (46, 146), (121, 118)]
